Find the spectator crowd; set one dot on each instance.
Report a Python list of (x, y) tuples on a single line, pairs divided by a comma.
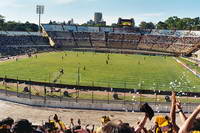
[(22, 44), (160, 123), (169, 43), (14, 44)]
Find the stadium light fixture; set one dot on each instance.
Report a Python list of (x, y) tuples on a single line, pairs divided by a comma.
[(40, 10)]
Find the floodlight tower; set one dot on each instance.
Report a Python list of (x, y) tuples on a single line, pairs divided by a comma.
[(40, 10)]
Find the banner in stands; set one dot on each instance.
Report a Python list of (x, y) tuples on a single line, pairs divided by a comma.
[(50, 27), (129, 30), (47, 27), (3, 33), (181, 33), (93, 29), (118, 30), (57, 27), (178, 33), (17, 33), (70, 28), (163, 32), (82, 29), (35, 33), (195, 33), (106, 29)]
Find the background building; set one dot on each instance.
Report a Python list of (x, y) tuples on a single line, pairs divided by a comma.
[(98, 16), (98, 19), (90, 22)]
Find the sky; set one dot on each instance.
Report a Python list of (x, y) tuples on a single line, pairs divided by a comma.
[(83, 10)]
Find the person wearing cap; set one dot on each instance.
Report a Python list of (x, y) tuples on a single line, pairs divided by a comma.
[(162, 124), (104, 121), (58, 123), (167, 124)]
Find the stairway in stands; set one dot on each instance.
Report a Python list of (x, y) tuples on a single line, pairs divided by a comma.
[(194, 49)]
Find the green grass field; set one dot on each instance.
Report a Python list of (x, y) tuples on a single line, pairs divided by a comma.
[(122, 71)]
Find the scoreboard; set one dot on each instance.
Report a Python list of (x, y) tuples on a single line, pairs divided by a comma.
[(126, 22)]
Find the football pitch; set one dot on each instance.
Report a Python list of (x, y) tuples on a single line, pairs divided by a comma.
[(103, 69)]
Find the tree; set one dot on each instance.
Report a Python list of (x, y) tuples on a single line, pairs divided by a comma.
[(133, 22), (114, 25), (161, 25), (172, 22), (17, 26), (187, 23), (145, 25), (2, 20)]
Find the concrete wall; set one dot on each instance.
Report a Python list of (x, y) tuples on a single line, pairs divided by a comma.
[(88, 105)]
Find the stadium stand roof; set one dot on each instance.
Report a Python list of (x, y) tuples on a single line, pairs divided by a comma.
[(76, 28)]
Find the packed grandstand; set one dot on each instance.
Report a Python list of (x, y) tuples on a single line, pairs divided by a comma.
[(167, 41), (174, 42), (18, 43)]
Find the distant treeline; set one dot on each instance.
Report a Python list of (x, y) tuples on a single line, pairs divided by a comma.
[(17, 26), (172, 23)]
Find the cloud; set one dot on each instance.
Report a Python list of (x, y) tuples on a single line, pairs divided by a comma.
[(64, 1), (6, 3), (153, 17), (91, 0), (10, 3), (69, 1), (152, 14)]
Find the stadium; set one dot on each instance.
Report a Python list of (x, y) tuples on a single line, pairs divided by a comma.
[(119, 73), (119, 67)]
